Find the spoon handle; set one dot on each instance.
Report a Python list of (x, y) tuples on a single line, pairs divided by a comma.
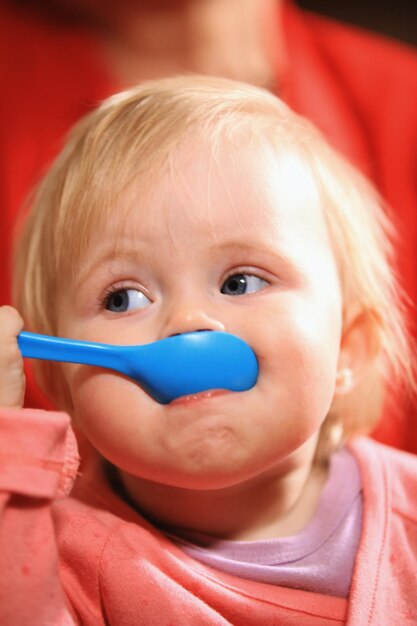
[(36, 346)]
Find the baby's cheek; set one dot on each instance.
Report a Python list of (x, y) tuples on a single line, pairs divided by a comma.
[(305, 361), (88, 400), (100, 399), (314, 370)]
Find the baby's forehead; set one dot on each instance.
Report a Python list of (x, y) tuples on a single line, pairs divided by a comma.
[(237, 174), (241, 185), (231, 193), (239, 166)]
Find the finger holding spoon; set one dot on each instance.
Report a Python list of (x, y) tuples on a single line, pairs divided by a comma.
[(12, 376)]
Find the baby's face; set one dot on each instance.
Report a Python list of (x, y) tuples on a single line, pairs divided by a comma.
[(234, 242)]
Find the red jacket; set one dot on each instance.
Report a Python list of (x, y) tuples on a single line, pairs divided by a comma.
[(90, 559), (360, 89)]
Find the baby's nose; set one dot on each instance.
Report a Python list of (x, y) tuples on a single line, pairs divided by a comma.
[(189, 319)]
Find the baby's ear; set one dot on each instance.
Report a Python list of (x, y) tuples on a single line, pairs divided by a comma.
[(360, 346)]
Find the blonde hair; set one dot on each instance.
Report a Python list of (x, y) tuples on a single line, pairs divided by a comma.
[(133, 133)]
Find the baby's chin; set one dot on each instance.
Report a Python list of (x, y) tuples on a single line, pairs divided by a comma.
[(207, 477), (211, 457)]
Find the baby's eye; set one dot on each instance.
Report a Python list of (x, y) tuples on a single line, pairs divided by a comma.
[(126, 300), (239, 284)]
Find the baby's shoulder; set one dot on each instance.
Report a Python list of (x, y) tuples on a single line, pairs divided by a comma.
[(89, 518), (391, 470), (105, 551)]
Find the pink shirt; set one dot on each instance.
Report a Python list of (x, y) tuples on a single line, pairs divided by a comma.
[(91, 559), (320, 558)]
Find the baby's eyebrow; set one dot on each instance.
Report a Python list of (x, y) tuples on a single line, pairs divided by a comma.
[(250, 246), (257, 251), (111, 254), (242, 246), (141, 253)]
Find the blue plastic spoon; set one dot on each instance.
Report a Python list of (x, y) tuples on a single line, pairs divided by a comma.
[(167, 369)]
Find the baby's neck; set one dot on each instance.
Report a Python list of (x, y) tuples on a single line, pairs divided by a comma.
[(239, 39), (272, 505)]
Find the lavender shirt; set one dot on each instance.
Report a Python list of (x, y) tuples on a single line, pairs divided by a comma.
[(320, 558)]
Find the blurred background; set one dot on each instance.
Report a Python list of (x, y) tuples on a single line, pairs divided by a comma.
[(394, 19)]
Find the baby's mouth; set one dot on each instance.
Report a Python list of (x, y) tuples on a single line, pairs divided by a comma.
[(198, 397)]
